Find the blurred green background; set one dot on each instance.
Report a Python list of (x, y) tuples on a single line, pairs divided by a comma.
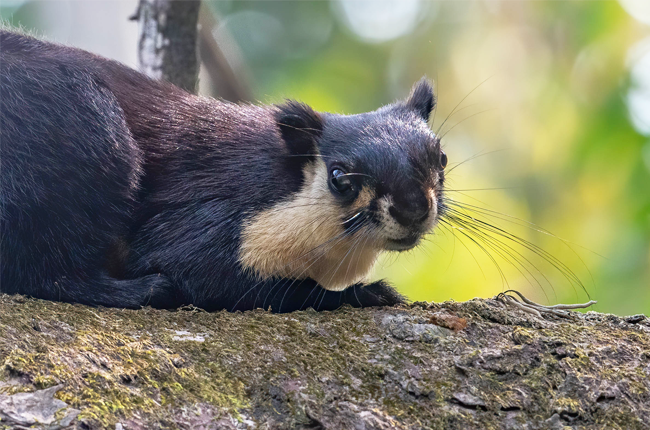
[(545, 103)]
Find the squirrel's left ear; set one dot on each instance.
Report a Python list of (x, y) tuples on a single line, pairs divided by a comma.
[(422, 99), (300, 127)]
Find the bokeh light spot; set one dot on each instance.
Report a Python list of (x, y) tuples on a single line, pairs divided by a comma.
[(379, 21)]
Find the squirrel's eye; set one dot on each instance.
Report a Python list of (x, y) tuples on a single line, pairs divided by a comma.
[(340, 182), (443, 159)]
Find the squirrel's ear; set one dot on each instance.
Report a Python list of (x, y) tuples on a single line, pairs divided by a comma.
[(422, 99), (300, 127)]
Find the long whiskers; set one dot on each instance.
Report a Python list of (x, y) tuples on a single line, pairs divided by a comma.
[(504, 251), (480, 154), (527, 224), (462, 121), (462, 218), (459, 103)]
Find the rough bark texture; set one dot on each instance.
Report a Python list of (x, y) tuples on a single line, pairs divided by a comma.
[(168, 41), (472, 365)]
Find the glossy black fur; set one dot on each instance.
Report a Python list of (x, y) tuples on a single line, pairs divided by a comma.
[(122, 191), (400, 168)]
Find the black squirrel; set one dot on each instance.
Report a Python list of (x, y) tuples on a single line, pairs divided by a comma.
[(118, 190)]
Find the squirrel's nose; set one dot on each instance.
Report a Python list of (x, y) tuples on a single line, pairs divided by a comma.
[(410, 208)]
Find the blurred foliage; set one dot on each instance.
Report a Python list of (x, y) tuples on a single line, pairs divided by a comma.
[(544, 108)]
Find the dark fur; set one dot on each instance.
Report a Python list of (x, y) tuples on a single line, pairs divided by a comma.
[(118, 190)]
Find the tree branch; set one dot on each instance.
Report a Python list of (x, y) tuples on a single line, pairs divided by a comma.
[(472, 365), (168, 41)]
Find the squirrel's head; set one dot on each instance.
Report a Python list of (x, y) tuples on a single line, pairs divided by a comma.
[(384, 169), (372, 182)]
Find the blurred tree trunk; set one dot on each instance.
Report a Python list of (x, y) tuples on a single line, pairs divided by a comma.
[(168, 41), (228, 80)]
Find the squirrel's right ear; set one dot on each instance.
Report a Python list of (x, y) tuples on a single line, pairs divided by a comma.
[(300, 127), (422, 98)]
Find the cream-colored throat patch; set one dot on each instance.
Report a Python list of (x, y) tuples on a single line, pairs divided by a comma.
[(303, 237)]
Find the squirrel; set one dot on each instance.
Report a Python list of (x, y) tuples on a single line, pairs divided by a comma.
[(122, 191)]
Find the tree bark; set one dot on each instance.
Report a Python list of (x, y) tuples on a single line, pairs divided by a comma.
[(168, 41), (473, 365)]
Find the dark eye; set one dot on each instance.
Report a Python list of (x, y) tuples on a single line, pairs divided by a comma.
[(443, 159), (340, 181)]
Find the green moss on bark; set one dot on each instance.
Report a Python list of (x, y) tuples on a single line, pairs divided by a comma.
[(383, 368)]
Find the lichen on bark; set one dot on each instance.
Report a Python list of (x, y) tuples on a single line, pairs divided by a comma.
[(450, 365), (167, 48)]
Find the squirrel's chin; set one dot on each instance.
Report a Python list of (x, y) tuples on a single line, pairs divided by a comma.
[(403, 244)]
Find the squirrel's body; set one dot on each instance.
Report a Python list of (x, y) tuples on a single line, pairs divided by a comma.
[(118, 190)]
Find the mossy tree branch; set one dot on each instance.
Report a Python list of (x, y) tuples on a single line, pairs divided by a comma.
[(471, 365)]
